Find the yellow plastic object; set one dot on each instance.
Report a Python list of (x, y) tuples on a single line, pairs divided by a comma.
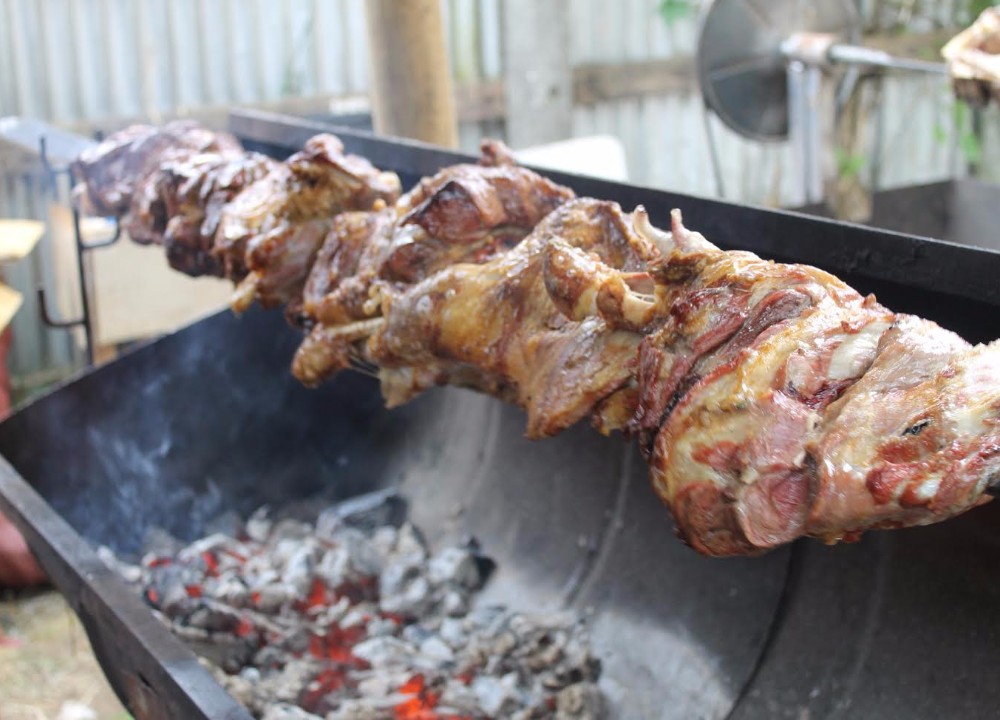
[(18, 238), (10, 301)]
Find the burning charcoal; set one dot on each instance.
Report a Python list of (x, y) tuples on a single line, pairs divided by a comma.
[(410, 545), (497, 697), (298, 570), (357, 710), (287, 685), (271, 597), (209, 544), (380, 627), (173, 589), (382, 683), (484, 616), (455, 603), (364, 512), (437, 650), (454, 565), (384, 540), (157, 541), (365, 558), (288, 712), (397, 574), (214, 618), (229, 590), (228, 523), (459, 696), (333, 614), (258, 525), (356, 622), (288, 529), (384, 652), (582, 701), (269, 657), (334, 568), (258, 572), (452, 631), (414, 599)]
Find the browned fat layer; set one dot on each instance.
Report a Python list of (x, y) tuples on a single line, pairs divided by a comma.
[(735, 330)]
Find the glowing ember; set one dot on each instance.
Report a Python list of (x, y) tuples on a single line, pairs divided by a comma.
[(349, 619)]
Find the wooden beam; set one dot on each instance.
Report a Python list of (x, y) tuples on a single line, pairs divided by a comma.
[(595, 83), (539, 79), (482, 101), (411, 86)]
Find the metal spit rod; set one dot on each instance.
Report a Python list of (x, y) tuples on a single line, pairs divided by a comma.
[(807, 54)]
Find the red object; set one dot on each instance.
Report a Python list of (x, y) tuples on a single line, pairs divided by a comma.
[(17, 566), (6, 338)]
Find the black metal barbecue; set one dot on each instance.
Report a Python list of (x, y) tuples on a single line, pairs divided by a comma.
[(901, 624)]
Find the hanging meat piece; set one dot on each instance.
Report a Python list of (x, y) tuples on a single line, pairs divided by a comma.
[(270, 233)]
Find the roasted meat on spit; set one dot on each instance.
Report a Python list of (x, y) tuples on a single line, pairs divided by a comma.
[(118, 176), (194, 190), (465, 213), (760, 390), (270, 233), (772, 400)]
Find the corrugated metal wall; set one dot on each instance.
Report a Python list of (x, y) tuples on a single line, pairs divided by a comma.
[(90, 63)]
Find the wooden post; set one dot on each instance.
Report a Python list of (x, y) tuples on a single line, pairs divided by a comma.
[(539, 79), (411, 85)]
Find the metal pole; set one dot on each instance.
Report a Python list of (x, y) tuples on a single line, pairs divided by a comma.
[(804, 84), (86, 321)]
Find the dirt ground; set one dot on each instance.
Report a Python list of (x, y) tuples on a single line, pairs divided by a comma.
[(47, 671)]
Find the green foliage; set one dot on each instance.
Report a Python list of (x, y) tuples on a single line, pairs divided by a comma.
[(849, 165), (976, 7), (673, 10), (968, 141)]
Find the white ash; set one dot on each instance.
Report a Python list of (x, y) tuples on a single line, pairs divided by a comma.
[(354, 618)]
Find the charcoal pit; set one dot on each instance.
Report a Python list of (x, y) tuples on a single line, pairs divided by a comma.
[(350, 617)]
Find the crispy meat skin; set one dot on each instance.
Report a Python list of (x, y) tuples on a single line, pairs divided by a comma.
[(464, 214), (772, 401), (113, 172), (270, 233), (495, 327), (194, 190), (813, 423), (777, 402)]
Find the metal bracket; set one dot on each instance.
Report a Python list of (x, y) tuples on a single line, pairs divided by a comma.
[(54, 173)]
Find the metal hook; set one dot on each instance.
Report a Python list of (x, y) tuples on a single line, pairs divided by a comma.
[(47, 317), (104, 243)]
